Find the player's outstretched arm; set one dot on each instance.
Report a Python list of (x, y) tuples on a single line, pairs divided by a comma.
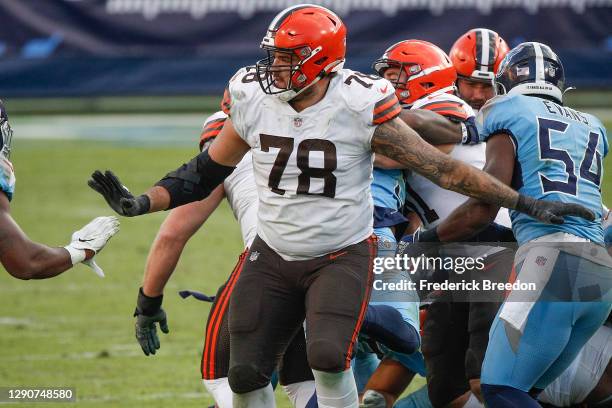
[(401, 143), (178, 227), (437, 129), (26, 259), (473, 216), (193, 181), (176, 230)]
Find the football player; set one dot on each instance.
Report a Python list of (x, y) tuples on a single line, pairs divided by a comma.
[(26, 259), (425, 78), (240, 190), (476, 56), (312, 127), (543, 149), (180, 225)]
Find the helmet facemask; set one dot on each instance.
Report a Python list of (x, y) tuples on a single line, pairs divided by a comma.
[(411, 82), (297, 81), (7, 137), (400, 83), (313, 41)]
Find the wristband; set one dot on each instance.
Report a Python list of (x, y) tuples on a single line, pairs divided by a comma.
[(524, 204), (76, 255), (469, 132), (146, 305), (430, 235), (143, 203), (464, 134)]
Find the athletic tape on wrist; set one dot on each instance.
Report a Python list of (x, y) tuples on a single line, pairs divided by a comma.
[(76, 255)]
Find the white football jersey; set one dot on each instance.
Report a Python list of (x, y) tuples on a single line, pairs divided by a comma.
[(313, 169), (240, 189), (241, 193), (429, 201)]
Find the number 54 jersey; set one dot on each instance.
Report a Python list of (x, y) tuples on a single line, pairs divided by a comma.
[(312, 168), (559, 156)]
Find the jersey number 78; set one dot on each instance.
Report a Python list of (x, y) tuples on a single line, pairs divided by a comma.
[(285, 146)]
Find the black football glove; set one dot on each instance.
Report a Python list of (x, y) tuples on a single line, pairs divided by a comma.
[(552, 212), (148, 313), (117, 195)]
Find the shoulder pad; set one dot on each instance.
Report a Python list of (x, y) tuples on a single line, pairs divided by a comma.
[(360, 91), (494, 103), (498, 113), (243, 86)]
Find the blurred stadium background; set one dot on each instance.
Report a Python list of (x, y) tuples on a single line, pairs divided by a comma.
[(125, 85)]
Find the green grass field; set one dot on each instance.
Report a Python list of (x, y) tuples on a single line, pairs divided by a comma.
[(77, 330)]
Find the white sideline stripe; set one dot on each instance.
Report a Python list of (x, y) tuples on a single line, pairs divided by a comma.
[(142, 129)]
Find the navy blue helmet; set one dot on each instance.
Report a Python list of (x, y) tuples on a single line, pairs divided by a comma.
[(531, 68), (6, 133)]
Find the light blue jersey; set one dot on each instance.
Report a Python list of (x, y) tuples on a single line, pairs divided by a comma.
[(388, 194), (388, 188), (559, 155)]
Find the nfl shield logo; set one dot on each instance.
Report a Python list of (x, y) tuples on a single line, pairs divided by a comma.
[(297, 122), (254, 256), (520, 71), (541, 261)]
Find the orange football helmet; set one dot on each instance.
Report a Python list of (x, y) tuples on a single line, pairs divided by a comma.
[(313, 34), (424, 69), (477, 54)]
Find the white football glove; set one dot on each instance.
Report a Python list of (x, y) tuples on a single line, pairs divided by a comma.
[(93, 236)]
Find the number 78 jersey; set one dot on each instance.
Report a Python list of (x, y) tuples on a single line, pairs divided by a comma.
[(312, 168), (559, 156)]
